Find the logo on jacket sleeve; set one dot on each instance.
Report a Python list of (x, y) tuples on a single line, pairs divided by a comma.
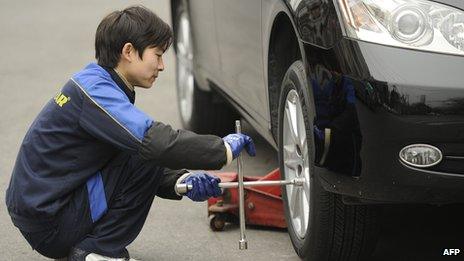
[(61, 99)]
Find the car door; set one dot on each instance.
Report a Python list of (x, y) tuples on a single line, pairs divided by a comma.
[(206, 51), (240, 45)]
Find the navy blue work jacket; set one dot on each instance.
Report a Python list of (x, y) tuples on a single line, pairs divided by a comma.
[(80, 130)]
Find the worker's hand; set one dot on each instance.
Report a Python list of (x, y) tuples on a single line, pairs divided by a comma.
[(238, 141), (204, 186)]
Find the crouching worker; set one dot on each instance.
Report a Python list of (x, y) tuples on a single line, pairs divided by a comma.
[(91, 163)]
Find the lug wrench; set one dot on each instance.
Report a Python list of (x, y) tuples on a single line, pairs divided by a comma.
[(243, 244), (184, 188)]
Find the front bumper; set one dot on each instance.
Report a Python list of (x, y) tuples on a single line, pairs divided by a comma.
[(403, 97)]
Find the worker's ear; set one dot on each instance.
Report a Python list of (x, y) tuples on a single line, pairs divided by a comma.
[(128, 52)]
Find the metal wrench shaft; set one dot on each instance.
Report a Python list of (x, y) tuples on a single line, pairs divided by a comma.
[(243, 243), (184, 188)]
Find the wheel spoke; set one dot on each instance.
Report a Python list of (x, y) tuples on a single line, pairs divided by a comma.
[(185, 64), (299, 123), (289, 151), (288, 138), (180, 47), (291, 159), (294, 202), (292, 164), (290, 111), (304, 149), (184, 37)]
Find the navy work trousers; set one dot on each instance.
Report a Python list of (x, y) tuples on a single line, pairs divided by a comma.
[(130, 186)]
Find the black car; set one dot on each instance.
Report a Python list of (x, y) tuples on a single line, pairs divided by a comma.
[(364, 99)]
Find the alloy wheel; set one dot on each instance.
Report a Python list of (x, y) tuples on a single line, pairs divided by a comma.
[(296, 163)]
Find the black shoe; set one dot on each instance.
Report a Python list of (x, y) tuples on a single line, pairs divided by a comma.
[(78, 254)]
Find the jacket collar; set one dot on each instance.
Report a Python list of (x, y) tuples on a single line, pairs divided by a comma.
[(121, 83)]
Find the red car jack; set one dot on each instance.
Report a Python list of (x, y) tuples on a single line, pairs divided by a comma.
[(263, 204)]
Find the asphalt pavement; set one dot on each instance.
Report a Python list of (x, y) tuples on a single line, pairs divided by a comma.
[(44, 42)]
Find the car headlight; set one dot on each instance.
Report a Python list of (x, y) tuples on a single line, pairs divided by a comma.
[(416, 24)]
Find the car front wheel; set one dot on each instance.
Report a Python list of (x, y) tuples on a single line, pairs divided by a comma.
[(320, 225)]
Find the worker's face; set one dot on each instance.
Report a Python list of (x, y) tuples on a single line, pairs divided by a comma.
[(143, 71)]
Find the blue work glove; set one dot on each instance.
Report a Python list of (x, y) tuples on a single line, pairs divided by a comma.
[(204, 186), (238, 141)]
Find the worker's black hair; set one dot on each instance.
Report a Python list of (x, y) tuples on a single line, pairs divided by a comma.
[(136, 25)]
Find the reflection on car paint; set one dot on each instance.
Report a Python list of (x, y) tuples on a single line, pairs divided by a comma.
[(413, 100), (318, 23), (334, 98)]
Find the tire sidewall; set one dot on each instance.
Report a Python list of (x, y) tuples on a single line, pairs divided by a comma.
[(295, 79)]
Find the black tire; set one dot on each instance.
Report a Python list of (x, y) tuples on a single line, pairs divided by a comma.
[(335, 231), (210, 114)]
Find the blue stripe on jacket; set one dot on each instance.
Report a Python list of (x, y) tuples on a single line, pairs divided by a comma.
[(97, 197), (98, 85)]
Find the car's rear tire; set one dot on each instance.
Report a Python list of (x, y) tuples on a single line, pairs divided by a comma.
[(200, 111), (320, 225)]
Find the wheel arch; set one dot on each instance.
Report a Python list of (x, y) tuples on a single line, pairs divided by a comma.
[(284, 48)]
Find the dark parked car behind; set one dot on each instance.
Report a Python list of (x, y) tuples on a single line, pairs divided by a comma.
[(364, 99)]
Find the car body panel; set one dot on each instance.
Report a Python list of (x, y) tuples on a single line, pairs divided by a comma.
[(207, 58), (239, 39)]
